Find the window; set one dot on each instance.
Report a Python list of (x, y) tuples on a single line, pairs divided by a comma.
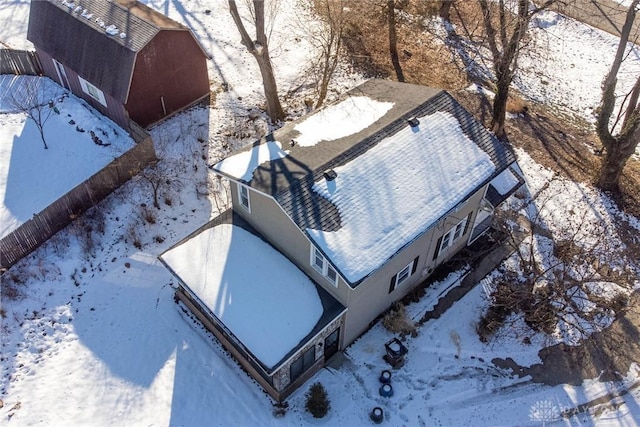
[(302, 364), (403, 275), (92, 91), (332, 274), (319, 262), (243, 196), (454, 233)]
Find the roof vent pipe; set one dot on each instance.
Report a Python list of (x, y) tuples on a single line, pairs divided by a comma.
[(330, 175), (414, 122)]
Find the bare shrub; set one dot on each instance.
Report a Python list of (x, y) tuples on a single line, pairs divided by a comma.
[(571, 279), (147, 215), (83, 230), (60, 243), (13, 281), (396, 320), (516, 105), (134, 236)]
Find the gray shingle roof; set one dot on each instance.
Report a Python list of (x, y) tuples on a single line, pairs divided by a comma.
[(290, 179), (70, 32)]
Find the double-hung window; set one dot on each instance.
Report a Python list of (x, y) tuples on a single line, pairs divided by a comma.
[(453, 234), (403, 275), (92, 91), (322, 266), (243, 197)]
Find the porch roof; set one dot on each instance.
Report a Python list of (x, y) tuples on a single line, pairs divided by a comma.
[(264, 300)]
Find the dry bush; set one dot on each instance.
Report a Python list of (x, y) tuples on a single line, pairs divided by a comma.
[(133, 236), (566, 281), (88, 229), (516, 105), (396, 320), (12, 283), (147, 215)]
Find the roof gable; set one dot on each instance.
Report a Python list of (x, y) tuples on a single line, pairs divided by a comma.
[(96, 38)]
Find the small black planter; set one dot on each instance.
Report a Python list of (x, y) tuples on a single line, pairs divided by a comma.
[(376, 415), (385, 377), (395, 352), (386, 390)]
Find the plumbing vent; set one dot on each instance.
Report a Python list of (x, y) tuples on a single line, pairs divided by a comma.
[(330, 175), (413, 122)]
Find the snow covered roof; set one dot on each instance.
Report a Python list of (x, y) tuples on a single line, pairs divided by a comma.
[(269, 305), (394, 181), (503, 185), (98, 39)]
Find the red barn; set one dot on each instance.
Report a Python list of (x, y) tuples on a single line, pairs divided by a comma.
[(124, 58)]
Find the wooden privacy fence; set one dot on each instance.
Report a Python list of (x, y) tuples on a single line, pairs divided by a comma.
[(19, 62), (60, 213)]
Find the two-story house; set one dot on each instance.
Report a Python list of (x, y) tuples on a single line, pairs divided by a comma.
[(365, 198)]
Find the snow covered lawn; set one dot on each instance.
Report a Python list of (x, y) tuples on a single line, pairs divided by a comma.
[(96, 339), (31, 178)]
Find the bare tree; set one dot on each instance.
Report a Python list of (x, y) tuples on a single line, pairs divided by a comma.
[(30, 98), (505, 44), (618, 148), (568, 278), (259, 48), (393, 39), (326, 38)]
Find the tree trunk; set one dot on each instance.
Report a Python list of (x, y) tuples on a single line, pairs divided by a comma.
[(445, 9), (499, 112), (393, 40), (330, 46), (615, 159), (618, 148), (274, 108), (260, 51), (46, 147)]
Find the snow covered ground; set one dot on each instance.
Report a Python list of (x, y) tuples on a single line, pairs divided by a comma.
[(31, 178), (94, 337)]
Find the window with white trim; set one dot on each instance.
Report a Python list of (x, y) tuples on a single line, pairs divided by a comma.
[(403, 275), (322, 266), (243, 196), (454, 233), (92, 91)]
